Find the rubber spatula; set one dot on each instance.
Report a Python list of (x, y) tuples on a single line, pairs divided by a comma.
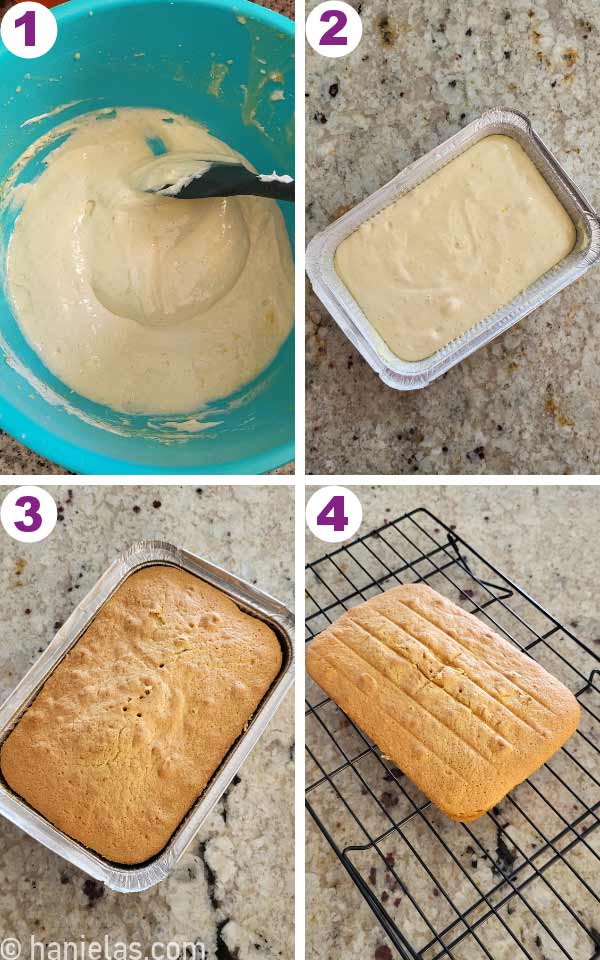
[(195, 178)]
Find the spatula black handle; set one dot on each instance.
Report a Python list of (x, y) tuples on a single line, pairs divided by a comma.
[(233, 180)]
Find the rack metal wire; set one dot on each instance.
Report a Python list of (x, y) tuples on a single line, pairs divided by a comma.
[(522, 881)]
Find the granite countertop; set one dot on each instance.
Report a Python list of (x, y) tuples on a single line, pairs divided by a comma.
[(234, 888), (285, 7), (16, 459), (546, 539), (526, 403)]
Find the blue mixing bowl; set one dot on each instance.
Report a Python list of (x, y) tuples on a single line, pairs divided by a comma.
[(202, 58)]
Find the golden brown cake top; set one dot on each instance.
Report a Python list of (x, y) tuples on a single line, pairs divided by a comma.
[(131, 725), (463, 712)]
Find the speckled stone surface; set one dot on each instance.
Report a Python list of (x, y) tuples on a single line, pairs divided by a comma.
[(546, 539), (233, 890), (527, 402), (15, 459), (286, 7)]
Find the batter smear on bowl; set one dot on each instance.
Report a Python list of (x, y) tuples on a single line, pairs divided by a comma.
[(454, 249), (146, 304)]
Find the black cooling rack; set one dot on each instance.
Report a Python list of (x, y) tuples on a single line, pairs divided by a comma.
[(522, 881)]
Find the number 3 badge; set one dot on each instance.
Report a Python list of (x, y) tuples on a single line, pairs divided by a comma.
[(334, 29), (28, 514)]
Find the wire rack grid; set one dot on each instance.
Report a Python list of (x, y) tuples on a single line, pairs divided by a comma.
[(522, 881)]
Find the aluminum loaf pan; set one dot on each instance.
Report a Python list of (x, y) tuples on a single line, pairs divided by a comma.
[(405, 375), (132, 879)]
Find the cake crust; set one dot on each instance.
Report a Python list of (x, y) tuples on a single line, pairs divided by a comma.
[(461, 711), (129, 728)]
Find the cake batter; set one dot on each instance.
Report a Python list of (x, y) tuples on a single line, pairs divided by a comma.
[(454, 249), (145, 303)]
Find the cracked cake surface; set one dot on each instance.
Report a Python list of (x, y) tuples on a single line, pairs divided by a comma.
[(131, 725), (461, 711)]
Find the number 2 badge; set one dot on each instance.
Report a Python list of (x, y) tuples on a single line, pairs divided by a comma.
[(334, 29)]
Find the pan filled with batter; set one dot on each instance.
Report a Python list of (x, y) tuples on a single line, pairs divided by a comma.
[(455, 249), (461, 244)]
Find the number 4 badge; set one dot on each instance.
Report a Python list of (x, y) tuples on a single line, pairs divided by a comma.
[(334, 514)]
